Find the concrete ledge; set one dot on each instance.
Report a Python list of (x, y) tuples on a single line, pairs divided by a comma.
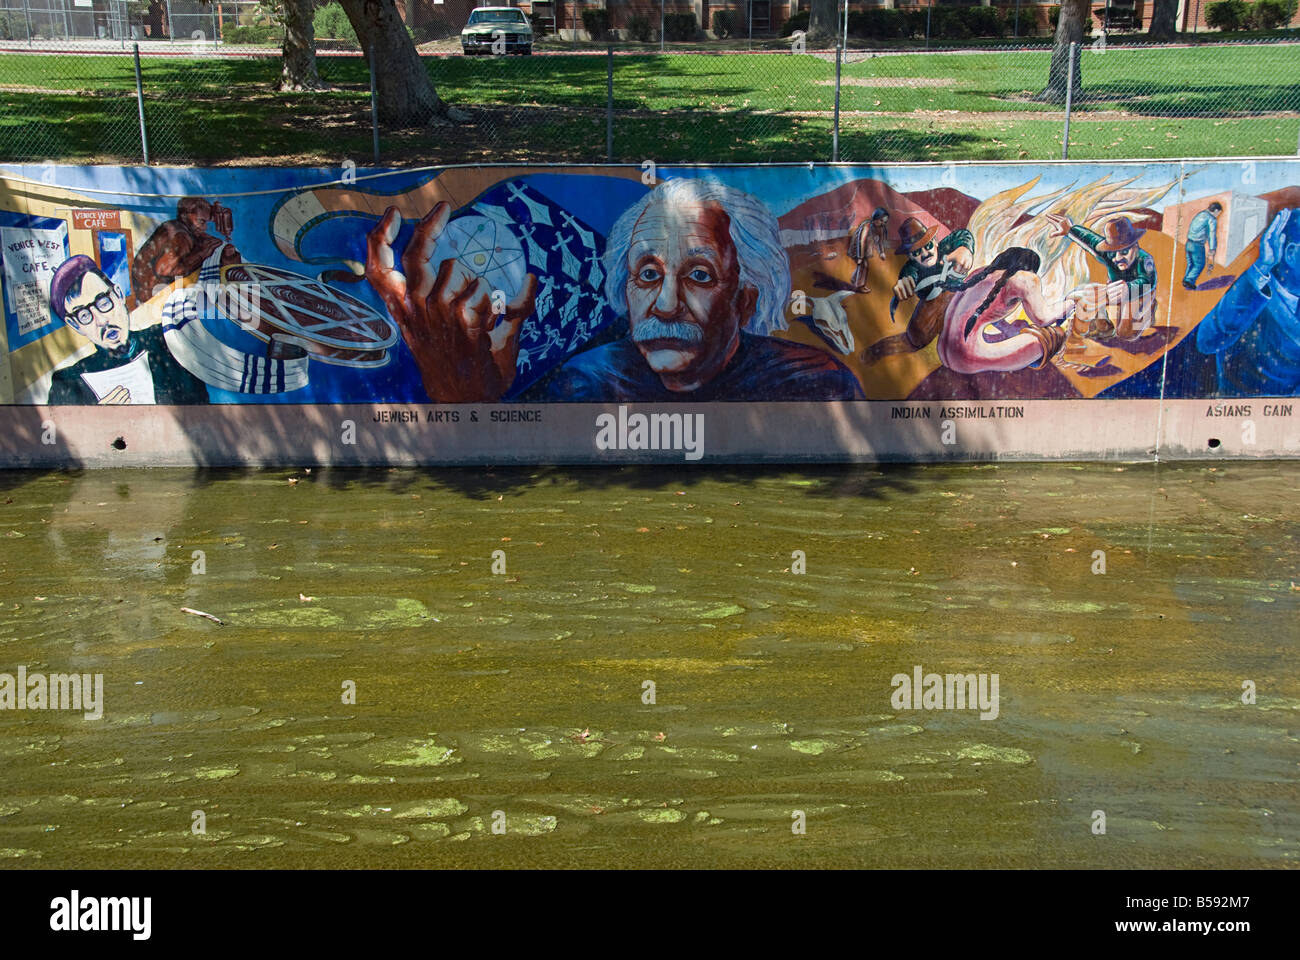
[(425, 434)]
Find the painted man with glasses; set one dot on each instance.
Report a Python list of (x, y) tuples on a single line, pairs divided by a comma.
[(929, 261), (127, 366), (1125, 306)]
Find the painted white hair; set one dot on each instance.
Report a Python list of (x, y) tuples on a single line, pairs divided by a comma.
[(754, 233)]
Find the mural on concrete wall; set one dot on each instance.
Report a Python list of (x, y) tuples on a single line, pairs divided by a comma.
[(618, 284)]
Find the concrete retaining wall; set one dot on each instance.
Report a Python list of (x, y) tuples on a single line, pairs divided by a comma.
[(618, 314)]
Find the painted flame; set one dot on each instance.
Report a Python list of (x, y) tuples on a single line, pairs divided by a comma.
[(996, 225)]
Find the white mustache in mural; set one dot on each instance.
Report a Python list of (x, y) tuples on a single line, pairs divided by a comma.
[(652, 328)]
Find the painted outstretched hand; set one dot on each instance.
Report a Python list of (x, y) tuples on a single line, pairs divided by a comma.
[(1273, 241), (1061, 224), (465, 350)]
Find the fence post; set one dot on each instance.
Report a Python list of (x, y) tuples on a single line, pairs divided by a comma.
[(27, 15), (171, 26), (374, 101), (661, 26), (1069, 102), (139, 105), (609, 106), (835, 129)]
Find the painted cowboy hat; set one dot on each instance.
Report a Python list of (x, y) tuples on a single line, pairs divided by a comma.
[(912, 234), (1120, 235)]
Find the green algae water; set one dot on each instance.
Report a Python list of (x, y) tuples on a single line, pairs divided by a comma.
[(642, 676)]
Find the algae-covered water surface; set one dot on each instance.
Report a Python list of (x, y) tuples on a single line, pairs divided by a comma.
[(653, 667)]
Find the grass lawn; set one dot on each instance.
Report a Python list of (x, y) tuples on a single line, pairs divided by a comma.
[(1200, 101)]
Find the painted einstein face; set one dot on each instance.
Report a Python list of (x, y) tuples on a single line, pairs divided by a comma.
[(686, 304)]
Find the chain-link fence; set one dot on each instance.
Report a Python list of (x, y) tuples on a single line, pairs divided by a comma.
[(217, 102), (192, 117), (1132, 102), (44, 20), (195, 107), (66, 108), (126, 21)]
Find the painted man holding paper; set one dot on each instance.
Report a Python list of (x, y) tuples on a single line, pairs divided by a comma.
[(127, 366)]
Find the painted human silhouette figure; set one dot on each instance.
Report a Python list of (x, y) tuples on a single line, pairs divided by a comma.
[(537, 257), (596, 277), (537, 212), (588, 238), (569, 263), (544, 296), (571, 306)]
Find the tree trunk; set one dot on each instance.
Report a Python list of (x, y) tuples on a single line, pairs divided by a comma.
[(156, 14), (406, 95), (1164, 20), (299, 71), (1069, 29), (824, 20)]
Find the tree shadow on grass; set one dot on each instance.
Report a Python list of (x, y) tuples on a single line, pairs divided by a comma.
[(43, 128), (738, 136), (640, 82), (569, 134), (558, 81), (177, 75), (268, 126), (1148, 99), (884, 142)]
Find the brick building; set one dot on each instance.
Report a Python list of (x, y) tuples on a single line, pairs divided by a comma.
[(438, 21), (446, 19), (768, 15)]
